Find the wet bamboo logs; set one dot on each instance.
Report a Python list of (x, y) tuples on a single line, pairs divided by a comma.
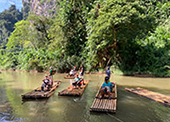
[(70, 91), (38, 94), (151, 95), (105, 104)]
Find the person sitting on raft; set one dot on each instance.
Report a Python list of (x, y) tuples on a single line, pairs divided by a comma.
[(77, 82), (72, 73), (106, 88), (46, 84)]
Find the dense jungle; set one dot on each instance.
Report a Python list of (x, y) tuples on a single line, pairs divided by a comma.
[(130, 36)]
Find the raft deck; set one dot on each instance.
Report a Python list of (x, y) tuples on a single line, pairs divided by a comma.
[(37, 94), (70, 91), (105, 104), (151, 95)]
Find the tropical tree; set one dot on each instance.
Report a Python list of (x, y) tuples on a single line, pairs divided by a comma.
[(70, 32), (32, 33), (7, 20), (153, 56), (112, 28)]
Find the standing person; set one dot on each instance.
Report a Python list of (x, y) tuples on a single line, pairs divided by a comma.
[(108, 72), (81, 71), (51, 74), (74, 69)]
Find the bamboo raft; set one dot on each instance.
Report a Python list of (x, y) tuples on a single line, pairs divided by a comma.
[(70, 91), (151, 95), (104, 104), (37, 94)]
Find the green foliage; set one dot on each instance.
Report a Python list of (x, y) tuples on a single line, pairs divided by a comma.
[(115, 29), (33, 33), (19, 35), (154, 53), (162, 12), (131, 36), (111, 33), (70, 26), (73, 27), (67, 63), (8, 60), (30, 59), (7, 20), (26, 9)]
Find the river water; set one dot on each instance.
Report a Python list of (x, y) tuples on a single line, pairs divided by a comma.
[(130, 107)]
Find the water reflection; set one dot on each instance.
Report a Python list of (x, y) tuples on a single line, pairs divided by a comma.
[(130, 107)]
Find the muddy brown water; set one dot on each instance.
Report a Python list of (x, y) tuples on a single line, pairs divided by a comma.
[(130, 107)]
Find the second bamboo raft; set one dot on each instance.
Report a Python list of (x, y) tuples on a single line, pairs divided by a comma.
[(104, 104), (151, 95), (70, 91)]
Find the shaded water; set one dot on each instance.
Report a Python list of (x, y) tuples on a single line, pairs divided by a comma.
[(130, 107)]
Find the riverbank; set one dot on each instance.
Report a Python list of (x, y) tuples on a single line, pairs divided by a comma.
[(115, 72)]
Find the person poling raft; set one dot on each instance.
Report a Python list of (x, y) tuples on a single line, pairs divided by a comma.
[(51, 73), (81, 69)]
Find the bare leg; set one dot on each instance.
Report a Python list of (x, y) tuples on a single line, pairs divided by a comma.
[(102, 94), (109, 94)]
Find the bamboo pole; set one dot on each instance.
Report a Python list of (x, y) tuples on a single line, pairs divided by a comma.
[(115, 91), (115, 102)]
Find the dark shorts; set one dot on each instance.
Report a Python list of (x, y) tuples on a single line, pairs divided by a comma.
[(105, 90), (79, 84), (76, 84), (81, 74)]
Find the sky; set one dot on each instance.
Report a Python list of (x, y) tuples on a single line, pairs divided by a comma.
[(5, 4)]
